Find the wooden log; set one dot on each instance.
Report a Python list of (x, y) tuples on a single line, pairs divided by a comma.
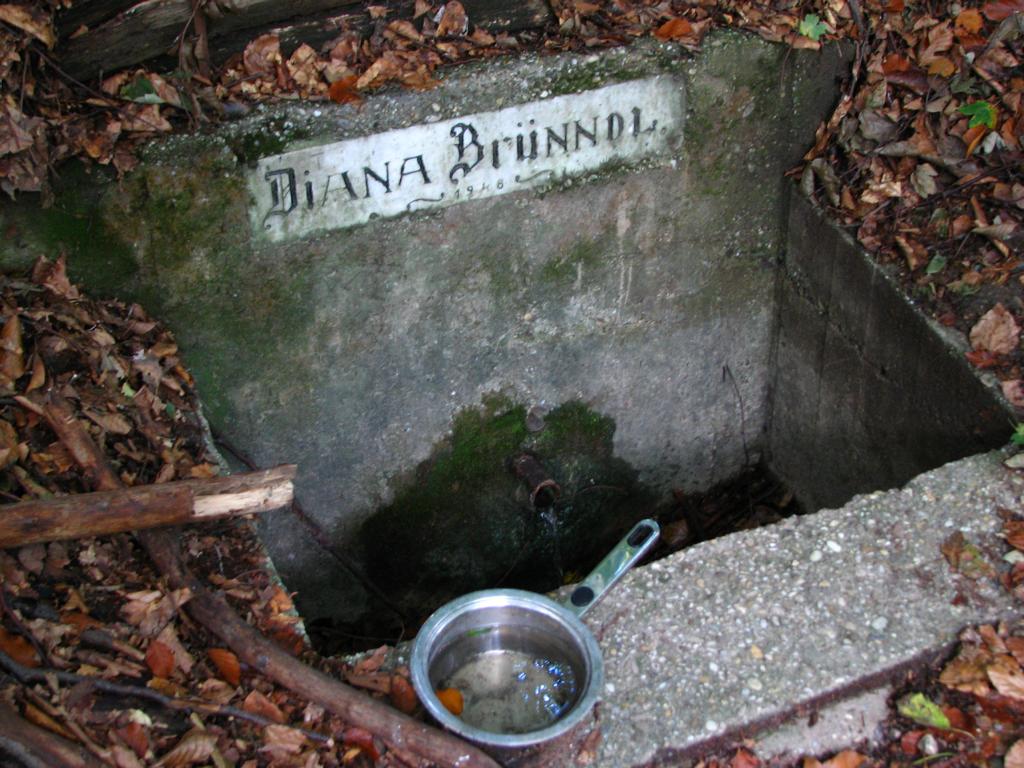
[(146, 506), (315, 31), (213, 612), (88, 13), (153, 27)]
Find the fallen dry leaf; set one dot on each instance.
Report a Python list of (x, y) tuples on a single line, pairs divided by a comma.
[(362, 738), (123, 757), (32, 558), (12, 358), (1007, 682), (402, 694), (454, 20), (135, 736), (18, 648), (227, 664), (283, 739), (195, 747), (38, 378), (965, 558), (160, 659), (674, 29), (744, 759), (999, 10), (259, 704), (262, 56), (216, 690), (344, 91), (1014, 757), (16, 130), (53, 276), (1013, 531), (997, 331), (30, 19), (114, 423), (151, 610), (371, 662), (1013, 390), (304, 67), (846, 759), (36, 716), (182, 658)]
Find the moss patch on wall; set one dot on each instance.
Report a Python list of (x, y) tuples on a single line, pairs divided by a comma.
[(464, 521), (585, 252)]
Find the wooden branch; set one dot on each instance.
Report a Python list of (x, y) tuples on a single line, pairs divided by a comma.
[(213, 612), (146, 506), (151, 28), (202, 47), (88, 13), (394, 728), (34, 746)]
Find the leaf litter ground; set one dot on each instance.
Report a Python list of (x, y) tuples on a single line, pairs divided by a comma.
[(921, 159), (93, 645)]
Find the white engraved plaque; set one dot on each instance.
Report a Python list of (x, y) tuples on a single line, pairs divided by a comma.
[(438, 164)]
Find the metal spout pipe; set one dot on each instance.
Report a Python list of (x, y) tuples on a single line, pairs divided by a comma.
[(543, 490)]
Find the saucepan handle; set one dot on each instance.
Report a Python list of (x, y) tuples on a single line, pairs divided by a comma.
[(634, 545)]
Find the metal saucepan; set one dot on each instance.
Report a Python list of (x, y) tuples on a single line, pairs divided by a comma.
[(518, 667)]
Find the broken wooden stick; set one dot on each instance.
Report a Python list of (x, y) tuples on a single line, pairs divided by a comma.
[(145, 506), (216, 615), (263, 655)]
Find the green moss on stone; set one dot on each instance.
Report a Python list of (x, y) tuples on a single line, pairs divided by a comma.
[(587, 75), (586, 252), (72, 226), (575, 428), (463, 521), (275, 135)]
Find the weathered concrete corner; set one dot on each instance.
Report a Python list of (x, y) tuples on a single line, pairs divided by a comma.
[(762, 624), (858, 371)]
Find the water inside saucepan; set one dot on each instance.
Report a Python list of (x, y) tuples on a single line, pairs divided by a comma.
[(509, 691)]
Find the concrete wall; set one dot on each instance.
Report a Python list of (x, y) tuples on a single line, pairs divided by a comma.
[(867, 392), (646, 291)]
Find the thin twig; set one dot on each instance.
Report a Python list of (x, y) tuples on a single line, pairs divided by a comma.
[(202, 47), (72, 79), (27, 676), (93, 91), (727, 372)]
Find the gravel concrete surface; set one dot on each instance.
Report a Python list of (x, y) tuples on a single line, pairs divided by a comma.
[(742, 633)]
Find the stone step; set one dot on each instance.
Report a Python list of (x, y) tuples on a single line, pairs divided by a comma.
[(735, 636)]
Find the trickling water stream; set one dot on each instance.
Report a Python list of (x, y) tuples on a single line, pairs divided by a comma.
[(550, 518)]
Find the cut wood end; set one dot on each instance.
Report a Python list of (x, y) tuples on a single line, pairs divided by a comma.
[(244, 503)]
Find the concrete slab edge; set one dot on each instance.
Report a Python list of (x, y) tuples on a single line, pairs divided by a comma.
[(735, 736), (737, 635)]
